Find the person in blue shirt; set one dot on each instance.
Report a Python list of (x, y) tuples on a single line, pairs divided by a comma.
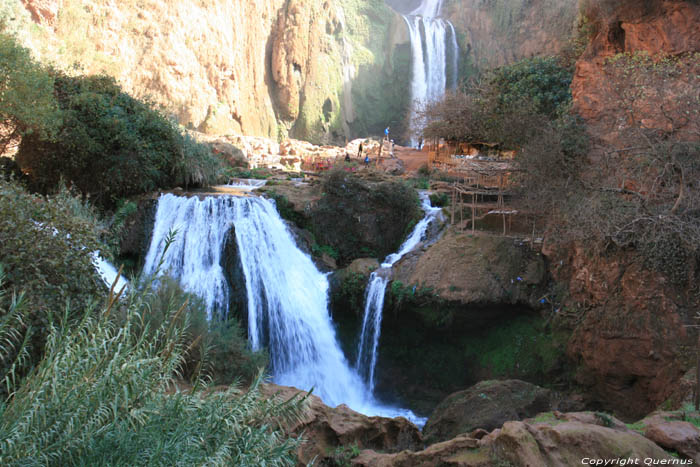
[(386, 132)]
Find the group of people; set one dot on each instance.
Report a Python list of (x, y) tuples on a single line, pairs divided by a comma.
[(361, 148)]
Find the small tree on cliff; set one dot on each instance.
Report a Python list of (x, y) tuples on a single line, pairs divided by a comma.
[(27, 103)]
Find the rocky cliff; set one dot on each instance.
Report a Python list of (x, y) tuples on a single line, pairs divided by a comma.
[(658, 44), (498, 32), (313, 70)]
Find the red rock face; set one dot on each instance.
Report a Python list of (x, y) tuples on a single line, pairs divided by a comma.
[(628, 344), (43, 11), (634, 26)]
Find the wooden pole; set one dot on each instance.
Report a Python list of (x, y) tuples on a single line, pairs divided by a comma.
[(473, 212), (454, 201), (697, 374)]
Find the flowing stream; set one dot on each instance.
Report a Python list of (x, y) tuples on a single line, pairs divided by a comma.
[(287, 297), (435, 54), (376, 290)]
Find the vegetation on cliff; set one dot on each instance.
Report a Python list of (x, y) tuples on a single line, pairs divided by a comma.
[(362, 219)]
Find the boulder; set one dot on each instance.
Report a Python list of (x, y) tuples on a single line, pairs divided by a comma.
[(486, 405), (566, 443), (670, 432), (327, 428), (460, 451)]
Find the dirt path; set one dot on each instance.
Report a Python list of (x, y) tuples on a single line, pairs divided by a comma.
[(412, 158)]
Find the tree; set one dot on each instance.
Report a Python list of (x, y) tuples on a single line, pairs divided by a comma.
[(27, 102)]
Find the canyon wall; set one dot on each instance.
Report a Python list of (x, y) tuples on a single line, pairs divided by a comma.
[(493, 33), (273, 68)]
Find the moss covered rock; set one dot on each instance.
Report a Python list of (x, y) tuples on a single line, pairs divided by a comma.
[(486, 405)]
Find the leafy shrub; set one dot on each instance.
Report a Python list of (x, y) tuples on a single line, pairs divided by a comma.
[(45, 247), (104, 394), (110, 145), (217, 349), (356, 216), (27, 103), (439, 200), (543, 81)]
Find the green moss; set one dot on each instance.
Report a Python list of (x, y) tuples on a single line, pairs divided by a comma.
[(519, 346)]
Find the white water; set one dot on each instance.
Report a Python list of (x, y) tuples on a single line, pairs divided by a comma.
[(433, 43), (108, 273), (376, 290), (287, 296), (246, 184)]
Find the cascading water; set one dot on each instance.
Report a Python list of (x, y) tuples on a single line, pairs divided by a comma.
[(433, 46), (376, 289), (287, 297)]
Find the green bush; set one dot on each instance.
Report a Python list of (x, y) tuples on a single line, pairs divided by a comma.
[(540, 80), (104, 394), (110, 145), (45, 247), (27, 103), (355, 217), (217, 349)]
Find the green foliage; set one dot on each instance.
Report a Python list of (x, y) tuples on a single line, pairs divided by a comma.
[(27, 103), (104, 394), (45, 246), (14, 337), (216, 348), (439, 200), (356, 217), (110, 145), (605, 419), (541, 81), (342, 456), (351, 293), (319, 250)]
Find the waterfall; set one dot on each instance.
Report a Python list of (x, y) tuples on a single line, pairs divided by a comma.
[(287, 297), (376, 290), (433, 44)]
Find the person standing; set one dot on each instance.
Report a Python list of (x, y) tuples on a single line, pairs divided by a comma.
[(386, 133), (359, 152)]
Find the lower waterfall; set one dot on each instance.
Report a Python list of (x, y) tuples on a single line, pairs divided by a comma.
[(376, 290), (287, 297)]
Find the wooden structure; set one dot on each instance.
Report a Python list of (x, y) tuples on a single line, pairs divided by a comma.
[(482, 188)]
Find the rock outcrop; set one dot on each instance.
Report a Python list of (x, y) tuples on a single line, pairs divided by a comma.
[(496, 33), (654, 96), (476, 270), (326, 429), (487, 405), (628, 344), (553, 440)]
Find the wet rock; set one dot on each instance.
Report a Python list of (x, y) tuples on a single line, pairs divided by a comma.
[(326, 428), (487, 405)]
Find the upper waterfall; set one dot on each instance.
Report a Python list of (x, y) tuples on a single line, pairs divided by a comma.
[(287, 297), (435, 52), (428, 9)]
